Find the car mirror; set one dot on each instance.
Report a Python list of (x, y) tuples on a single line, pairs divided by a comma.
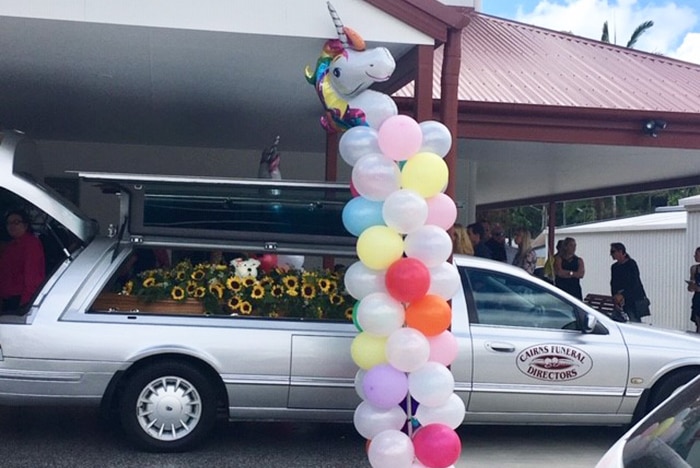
[(590, 323)]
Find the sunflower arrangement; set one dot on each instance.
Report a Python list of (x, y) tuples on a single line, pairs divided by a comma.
[(316, 294)]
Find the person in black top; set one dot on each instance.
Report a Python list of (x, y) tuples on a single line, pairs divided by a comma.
[(476, 235), (694, 287), (497, 243), (569, 269), (625, 282)]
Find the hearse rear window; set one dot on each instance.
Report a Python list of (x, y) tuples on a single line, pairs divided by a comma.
[(236, 209)]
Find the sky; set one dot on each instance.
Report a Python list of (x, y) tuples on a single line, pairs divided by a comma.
[(675, 34)]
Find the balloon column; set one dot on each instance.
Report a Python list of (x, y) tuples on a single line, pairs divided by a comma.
[(402, 283)]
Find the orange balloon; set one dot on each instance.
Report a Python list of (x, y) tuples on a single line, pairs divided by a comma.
[(431, 315)]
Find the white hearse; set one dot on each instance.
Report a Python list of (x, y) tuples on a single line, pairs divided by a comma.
[(158, 325)]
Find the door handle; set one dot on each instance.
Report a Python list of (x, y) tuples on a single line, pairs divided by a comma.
[(501, 347)]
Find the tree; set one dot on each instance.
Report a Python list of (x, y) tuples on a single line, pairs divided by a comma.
[(641, 29)]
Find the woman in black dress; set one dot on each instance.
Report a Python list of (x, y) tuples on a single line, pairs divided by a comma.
[(694, 287), (625, 281), (569, 269)]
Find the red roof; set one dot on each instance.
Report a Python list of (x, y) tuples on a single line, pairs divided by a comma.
[(509, 62)]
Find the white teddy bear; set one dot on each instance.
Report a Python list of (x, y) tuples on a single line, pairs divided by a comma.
[(246, 268)]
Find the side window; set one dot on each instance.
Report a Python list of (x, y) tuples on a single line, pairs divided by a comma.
[(513, 302), (227, 284)]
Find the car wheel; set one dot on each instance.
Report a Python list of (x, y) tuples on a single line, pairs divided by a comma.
[(168, 407), (668, 385)]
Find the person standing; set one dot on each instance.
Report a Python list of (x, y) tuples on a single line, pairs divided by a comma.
[(625, 283), (694, 287), (21, 263), (526, 258), (476, 236), (569, 269), (460, 240), (497, 243)]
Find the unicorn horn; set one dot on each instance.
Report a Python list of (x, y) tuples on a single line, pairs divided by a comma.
[(338, 25)]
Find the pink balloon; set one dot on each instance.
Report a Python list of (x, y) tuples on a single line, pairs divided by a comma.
[(407, 279), (384, 386), (437, 445), (400, 137), (442, 211), (443, 348)]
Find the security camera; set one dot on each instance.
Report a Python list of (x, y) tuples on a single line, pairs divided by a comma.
[(652, 127)]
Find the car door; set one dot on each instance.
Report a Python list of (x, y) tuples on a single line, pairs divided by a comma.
[(531, 363)]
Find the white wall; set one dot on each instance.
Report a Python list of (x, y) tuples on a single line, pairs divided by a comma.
[(663, 262)]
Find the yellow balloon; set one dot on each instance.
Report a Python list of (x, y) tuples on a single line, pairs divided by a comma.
[(426, 173), (368, 350), (379, 246)]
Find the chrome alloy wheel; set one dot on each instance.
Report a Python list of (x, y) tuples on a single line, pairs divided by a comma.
[(169, 408)]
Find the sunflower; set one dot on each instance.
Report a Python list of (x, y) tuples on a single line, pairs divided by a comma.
[(292, 292), (149, 282), (348, 313), (324, 284), (290, 282), (200, 292), (336, 300), (266, 281), (234, 283), (234, 303), (308, 291), (197, 275), (258, 292), (217, 289), (249, 281), (277, 291), (180, 275), (128, 287), (245, 307), (178, 293), (191, 287)]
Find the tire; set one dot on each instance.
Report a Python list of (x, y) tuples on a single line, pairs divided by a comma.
[(168, 407), (668, 385)]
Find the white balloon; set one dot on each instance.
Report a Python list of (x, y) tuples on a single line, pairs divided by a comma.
[(436, 138), (429, 244), (359, 376), (432, 384), (405, 210), (357, 142), (370, 420), (292, 261), (361, 281), (444, 280), (451, 413), (375, 176), (380, 314), (407, 349), (391, 449)]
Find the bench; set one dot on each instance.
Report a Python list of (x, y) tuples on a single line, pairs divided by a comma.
[(600, 302)]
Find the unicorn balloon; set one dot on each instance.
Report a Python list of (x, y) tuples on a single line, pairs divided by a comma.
[(344, 72)]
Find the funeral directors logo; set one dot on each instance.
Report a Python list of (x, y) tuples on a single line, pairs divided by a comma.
[(554, 362)]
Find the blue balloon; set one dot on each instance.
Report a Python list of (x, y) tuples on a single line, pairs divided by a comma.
[(361, 213)]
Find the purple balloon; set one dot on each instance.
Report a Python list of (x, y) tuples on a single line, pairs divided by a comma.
[(384, 386)]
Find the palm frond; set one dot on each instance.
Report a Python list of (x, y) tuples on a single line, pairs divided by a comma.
[(638, 32), (605, 37)]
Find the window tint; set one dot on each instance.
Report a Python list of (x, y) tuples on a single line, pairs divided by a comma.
[(513, 302)]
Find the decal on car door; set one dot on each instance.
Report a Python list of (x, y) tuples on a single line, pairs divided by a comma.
[(554, 362)]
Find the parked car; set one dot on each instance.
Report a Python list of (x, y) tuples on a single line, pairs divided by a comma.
[(151, 325), (666, 437)]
